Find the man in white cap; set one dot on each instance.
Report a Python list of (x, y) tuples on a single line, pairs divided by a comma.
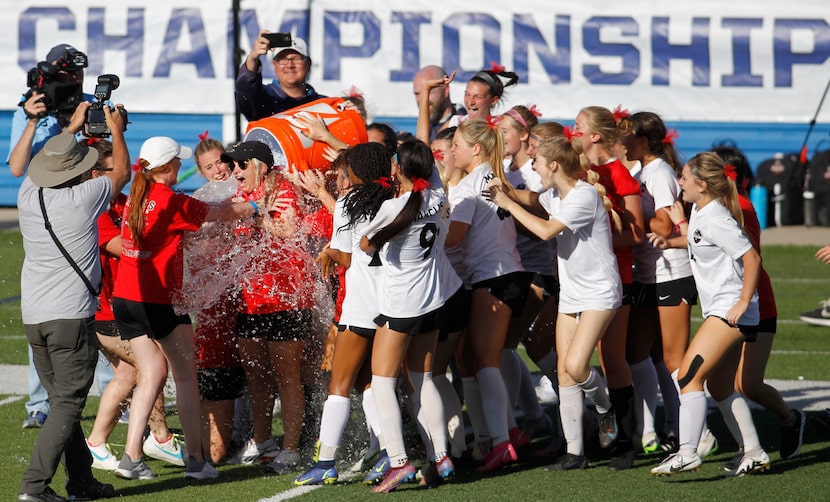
[(58, 298), (290, 89)]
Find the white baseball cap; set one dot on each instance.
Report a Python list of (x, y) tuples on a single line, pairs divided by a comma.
[(159, 150), (298, 45)]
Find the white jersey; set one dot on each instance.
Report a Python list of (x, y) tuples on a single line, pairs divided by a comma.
[(360, 306), (538, 256), (659, 188), (588, 275), (716, 245), (489, 245), (417, 276)]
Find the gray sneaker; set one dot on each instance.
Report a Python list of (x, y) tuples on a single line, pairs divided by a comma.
[(199, 470), (127, 469), (819, 316)]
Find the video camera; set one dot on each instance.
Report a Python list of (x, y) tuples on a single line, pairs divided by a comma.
[(59, 97), (96, 122)]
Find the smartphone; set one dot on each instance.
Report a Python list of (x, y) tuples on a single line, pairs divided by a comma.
[(278, 39)]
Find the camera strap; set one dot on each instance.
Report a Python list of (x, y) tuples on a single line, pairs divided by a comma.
[(94, 292)]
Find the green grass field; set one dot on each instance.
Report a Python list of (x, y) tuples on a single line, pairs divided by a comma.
[(800, 350)]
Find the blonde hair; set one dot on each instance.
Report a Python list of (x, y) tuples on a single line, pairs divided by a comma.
[(601, 121), (709, 167), (491, 140)]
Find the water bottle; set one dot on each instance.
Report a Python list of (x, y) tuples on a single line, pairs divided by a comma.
[(758, 197), (809, 208)]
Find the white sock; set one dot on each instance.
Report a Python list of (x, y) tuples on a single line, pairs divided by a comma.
[(596, 390), (670, 392), (547, 364), (332, 424), (511, 374), (453, 416), (472, 397), (644, 377), (370, 411), (736, 414), (528, 400), (389, 413), (494, 403), (692, 420), (571, 406), (431, 414)]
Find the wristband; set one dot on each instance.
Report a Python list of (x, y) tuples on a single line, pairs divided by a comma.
[(256, 209), (681, 222)]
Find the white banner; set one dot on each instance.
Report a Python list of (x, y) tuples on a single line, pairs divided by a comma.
[(703, 60)]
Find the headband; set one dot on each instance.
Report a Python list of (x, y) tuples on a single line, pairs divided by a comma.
[(517, 117)]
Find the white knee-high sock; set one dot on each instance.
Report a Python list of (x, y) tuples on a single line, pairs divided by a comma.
[(644, 377), (389, 412), (475, 410), (430, 414), (370, 411), (692, 420), (670, 392), (494, 403), (332, 424), (596, 390), (528, 400), (453, 417), (571, 406), (736, 414)]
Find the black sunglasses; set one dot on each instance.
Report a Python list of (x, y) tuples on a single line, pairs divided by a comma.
[(242, 164)]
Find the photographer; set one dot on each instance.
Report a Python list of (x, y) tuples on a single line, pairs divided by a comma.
[(38, 117), (291, 66)]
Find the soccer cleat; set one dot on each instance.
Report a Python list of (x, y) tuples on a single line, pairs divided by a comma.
[(792, 436), (367, 460), (502, 454), (708, 444), (676, 463), (377, 472), (819, 316), (171, 451), (734, 462), (518, 438), (89, 490), (607, 429), (436, 472), (199, 470), (568, 462), (670, 444), (253, 452), (34, 420), (286, 461), (749, 465), (621, 460), (546, 392), (127, 469), (47, 495), (317, 476), (102, 457), (395, 478), (651, 444)]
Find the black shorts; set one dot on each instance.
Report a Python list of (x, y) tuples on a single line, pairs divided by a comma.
[(220, 384), (106, 328), (768, 325), (455, 314), (750, 332), (366, 333), (628, 293), (135, 319), (548, 283), (283, 326), (411, 325), (666, 294), (511, 289)]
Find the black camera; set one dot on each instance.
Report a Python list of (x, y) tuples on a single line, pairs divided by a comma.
[(96, 122), (59, 96), (278, 39)]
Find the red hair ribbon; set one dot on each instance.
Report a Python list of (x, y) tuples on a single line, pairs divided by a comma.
[(92, 141), (496, 68), (494, 120), (570, 134), (419, 184), (384, 181), (731, 172), (353, 92), (620, 114), (532, 109), (205, 135), (671, 136), (437, 155), (137, 166)]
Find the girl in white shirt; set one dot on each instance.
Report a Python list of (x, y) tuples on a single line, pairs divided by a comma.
[(726, 270), (591, 290)]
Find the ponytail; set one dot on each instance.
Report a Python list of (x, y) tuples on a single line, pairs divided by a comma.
[(709, 167)]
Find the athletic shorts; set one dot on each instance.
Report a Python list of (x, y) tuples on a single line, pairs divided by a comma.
[(667, 294), (548, 283), (283, 326), (106, 328), (220, 384), (367, 333), (511, 289), (768, 325), (411, 325), (750, 332), (628, 293), (135, 319), (455, 314)]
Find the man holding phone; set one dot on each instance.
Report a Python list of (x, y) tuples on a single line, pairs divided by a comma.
[(256, 100)]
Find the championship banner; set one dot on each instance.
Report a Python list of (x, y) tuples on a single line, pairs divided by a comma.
[(690, 61)]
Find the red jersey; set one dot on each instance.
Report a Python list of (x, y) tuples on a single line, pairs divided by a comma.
[(109, 227), (619, 183), (279, 277), (216, 336), (151, 272), (766, 297)]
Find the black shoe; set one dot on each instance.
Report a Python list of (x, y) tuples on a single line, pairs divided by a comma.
[(670, 444), (621, 459), (792, 436), (48, 495), (567, 462), (90, 490)]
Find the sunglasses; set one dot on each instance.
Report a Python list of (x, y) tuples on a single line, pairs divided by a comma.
[(241, 164)]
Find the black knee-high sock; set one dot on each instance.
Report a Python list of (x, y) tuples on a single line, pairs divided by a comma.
[(623, 402)]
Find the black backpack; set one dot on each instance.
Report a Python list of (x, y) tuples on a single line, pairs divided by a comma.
[(783, 177)]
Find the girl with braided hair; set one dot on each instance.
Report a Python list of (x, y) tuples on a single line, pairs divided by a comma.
[(483, 92)]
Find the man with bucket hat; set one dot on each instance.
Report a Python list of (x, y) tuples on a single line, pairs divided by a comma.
[(58, 214)]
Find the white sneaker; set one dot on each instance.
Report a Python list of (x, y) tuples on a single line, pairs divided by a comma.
[(708, 444), (102, 457), (287, 461), (677, 463), (749, 465), (171, 451), (195, 470), (545, 391), (253, 452)]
